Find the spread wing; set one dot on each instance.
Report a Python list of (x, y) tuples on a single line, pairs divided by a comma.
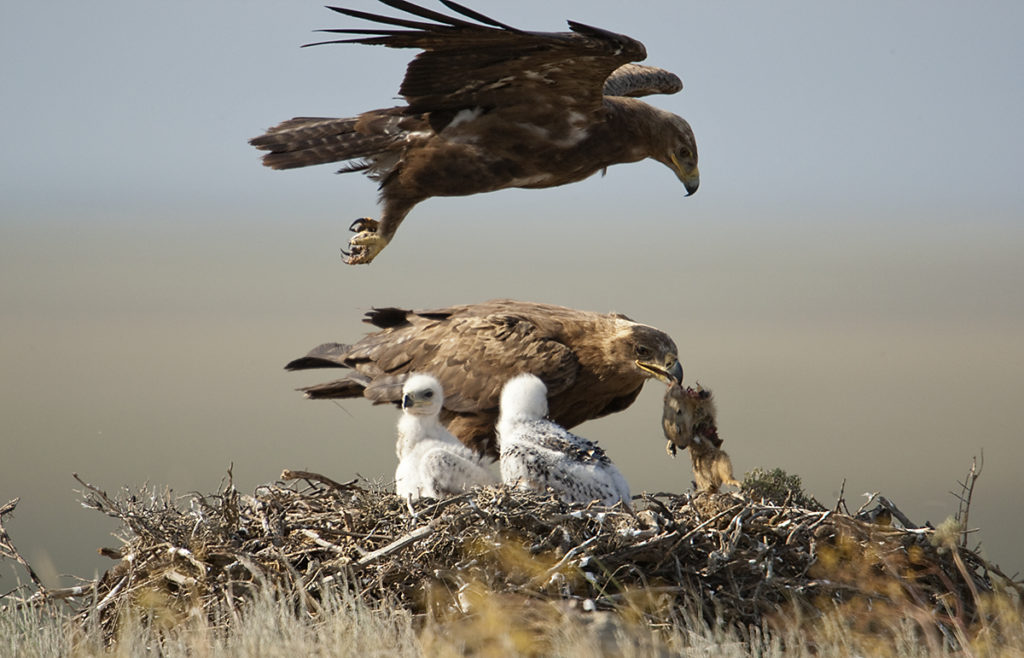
[(487, 64), (472, 355)]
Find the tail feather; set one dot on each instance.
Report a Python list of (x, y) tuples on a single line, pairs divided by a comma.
[(381, 390), (306, 141), (351, 386), (328, 355)]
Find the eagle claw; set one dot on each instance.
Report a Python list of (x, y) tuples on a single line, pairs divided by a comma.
[(364, 224), (365, 244)]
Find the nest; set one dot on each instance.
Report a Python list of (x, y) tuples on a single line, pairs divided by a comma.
[(722, 558)]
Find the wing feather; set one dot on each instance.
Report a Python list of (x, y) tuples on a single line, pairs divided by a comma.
[(638, 80), (493, 65), (472, 350)]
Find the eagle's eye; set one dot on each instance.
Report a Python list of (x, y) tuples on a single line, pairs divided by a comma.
[(643, 352)]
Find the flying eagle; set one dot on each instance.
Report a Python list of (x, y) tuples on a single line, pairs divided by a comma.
[(689, 421), (539, 455), (490, 107), (593, 364), (431, 462)]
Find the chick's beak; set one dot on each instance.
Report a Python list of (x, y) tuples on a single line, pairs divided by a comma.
[(407, 401)]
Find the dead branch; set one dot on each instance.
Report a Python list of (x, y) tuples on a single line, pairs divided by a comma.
[(288, 474), (9, 551), (965, 495)]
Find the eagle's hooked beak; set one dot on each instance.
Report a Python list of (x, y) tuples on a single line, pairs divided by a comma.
[(689, 175), (669, 373)]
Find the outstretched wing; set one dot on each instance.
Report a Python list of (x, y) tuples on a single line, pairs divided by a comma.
[(490, 65)]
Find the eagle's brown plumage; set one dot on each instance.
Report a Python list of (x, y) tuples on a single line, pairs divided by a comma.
[(593, 364), (490, 107)]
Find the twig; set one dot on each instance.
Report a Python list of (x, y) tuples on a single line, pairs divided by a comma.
[(871, 498), (841, 501), (322, 543), (441, 504), (895, 511), (570, 554), (99, 492), (71, 592), (288, 474), (7, 548), (966, 492), (9, 506), (395, 546), (112, 593), (701, 526)]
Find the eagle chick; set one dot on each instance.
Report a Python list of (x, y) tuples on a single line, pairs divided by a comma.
[(431, 462), (539, 455)]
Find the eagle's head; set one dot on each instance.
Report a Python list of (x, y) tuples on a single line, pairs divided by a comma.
[(422, 395), (524, 397), (650, 351), (680, 151), (688, 419)]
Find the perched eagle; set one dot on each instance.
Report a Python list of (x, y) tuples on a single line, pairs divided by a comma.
[(431, 462), (490, 107), (592, 364), (539, 455)]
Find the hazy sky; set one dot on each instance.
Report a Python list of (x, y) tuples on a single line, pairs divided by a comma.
[(847, 280)]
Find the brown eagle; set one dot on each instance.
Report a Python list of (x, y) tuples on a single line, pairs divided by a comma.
[(490, 107), (593, 364)]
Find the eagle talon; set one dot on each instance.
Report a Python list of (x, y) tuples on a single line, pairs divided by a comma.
[(364, 247), (364, 225)]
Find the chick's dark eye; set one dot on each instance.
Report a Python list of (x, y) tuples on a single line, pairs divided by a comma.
[(428, 394)]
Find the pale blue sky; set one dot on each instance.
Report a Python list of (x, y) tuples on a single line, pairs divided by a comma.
[(847, 280), (866, 104)]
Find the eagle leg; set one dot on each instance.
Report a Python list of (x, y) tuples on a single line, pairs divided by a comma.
[(366, 243)]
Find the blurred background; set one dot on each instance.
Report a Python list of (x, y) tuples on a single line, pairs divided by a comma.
[(847, 281)]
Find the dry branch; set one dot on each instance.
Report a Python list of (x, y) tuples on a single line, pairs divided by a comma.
[(8, 550)]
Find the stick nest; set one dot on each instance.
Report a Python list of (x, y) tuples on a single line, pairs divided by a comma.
[(731, 558)]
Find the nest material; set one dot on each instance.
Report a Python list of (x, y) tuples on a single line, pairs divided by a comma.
[(722, 557)]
